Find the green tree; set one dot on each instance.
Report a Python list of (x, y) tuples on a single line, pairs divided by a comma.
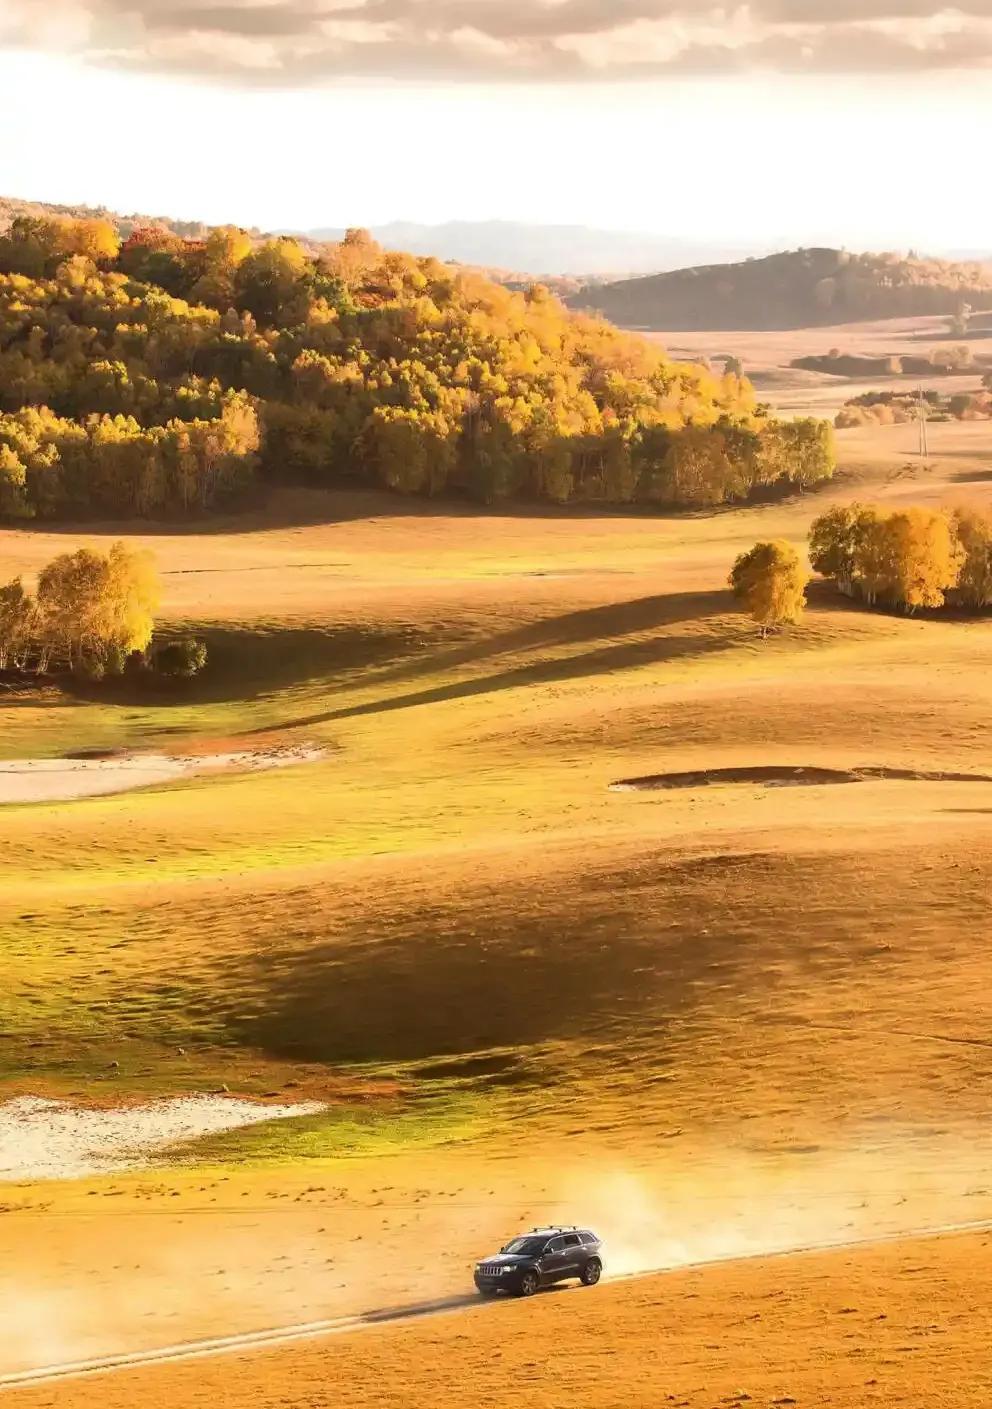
[(32, 246), (272, 283), (181, 659), (838, 543), (14, 503)]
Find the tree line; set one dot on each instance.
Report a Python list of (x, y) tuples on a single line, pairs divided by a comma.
[(904, 559), (165, 375)]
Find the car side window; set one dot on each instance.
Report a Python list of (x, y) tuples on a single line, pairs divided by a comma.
[(555, 1245), (572, 1240)]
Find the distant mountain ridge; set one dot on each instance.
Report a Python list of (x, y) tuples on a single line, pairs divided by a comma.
[(797, 289), (570, 254), (553, 250)]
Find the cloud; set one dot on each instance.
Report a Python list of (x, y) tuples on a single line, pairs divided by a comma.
[(297, 42)]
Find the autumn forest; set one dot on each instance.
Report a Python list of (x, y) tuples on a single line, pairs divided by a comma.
[(169, 376)]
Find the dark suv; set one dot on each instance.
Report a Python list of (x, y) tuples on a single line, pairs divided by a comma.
[(538, 1259)]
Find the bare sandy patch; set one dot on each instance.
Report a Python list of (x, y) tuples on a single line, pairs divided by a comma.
[(67, 779), (43, 1139)]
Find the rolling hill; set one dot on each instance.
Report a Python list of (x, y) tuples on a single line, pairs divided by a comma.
[(797, 289)]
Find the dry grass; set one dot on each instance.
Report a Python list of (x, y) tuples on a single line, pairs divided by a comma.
[(452, 927), (767, 359), (897, 1325)]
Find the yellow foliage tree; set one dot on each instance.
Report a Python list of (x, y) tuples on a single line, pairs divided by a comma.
[(974, 532), (95, 610), (92, 239), (770, 583), (224, 251), (910, 559)]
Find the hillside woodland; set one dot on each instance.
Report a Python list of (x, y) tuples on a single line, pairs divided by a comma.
[(166, 375), (797, 289)]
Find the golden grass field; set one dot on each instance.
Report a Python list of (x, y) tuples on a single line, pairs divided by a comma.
[(766, 357), (709, 1022), (905, 1324)]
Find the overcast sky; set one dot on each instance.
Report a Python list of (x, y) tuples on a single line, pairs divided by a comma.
[(857, 122)]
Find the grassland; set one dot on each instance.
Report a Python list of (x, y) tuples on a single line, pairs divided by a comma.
[(767, 359), (903, 1324), (453, 931)]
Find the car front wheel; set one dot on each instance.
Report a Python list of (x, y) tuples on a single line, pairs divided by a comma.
[(591, 1273), (529, 1283)]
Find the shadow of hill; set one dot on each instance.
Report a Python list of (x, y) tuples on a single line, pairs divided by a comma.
[(583, 949)]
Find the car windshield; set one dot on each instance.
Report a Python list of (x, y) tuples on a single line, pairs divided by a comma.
[(526, 1247)]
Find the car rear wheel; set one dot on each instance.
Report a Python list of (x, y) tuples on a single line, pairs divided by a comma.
[(529, 1283), (591, 1273)]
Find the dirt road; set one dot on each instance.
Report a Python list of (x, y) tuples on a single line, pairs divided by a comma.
[(901, 1323)]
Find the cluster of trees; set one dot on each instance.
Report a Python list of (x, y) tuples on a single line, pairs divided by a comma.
[(906, 558), (53, 465), (940, 361), (89, 614), (166, 375), (902, 558), (889, 408), (92, 615)]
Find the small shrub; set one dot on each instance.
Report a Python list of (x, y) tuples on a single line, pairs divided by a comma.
[(182, 659)]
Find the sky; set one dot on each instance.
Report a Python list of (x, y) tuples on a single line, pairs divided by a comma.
[(778, 123)]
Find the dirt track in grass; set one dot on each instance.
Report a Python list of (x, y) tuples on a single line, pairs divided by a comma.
[(897, 1324)]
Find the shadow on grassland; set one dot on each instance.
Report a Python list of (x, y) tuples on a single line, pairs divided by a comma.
[(598, 662), (579, 951)]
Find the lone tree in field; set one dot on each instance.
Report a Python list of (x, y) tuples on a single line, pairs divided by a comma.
[(770, 583)]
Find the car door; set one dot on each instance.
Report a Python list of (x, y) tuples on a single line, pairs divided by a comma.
[(573, 1255), (553, 1261)]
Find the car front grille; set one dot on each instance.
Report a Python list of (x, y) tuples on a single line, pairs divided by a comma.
[(492, 1269)]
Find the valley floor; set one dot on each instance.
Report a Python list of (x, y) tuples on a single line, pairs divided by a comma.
[(744, 1017)]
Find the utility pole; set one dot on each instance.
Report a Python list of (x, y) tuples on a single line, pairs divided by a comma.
[(923, 410)]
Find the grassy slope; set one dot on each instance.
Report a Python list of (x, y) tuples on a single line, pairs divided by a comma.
[(848, 1329), (456, 879)]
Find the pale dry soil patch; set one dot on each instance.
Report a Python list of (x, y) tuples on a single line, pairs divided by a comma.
[(27, 780), (45, 1139)]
